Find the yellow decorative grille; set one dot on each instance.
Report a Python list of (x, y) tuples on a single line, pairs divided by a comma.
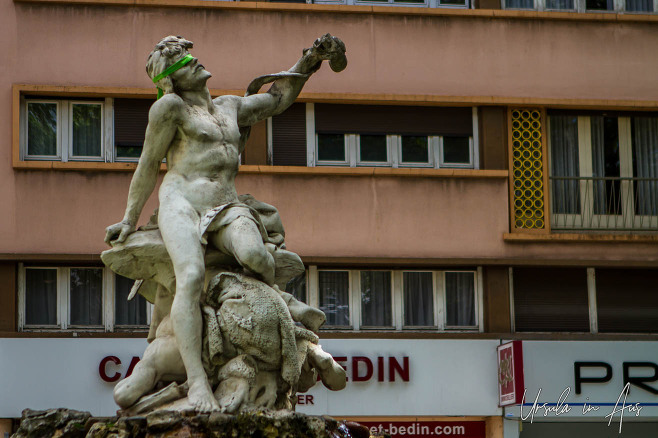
[(527, 169)]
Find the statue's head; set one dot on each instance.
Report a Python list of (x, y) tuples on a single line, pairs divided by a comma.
[(166, 53)]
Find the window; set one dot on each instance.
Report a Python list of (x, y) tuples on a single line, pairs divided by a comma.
[(642, 6), (588, 300), (104, 130), (334, 297), (130, 121), (379, 150), (397, 300), (376, 299), (550, 299), (77, 298), (420, 3), (626, 300), (374, 136), (66, 130), (603, 171), (297, 288)]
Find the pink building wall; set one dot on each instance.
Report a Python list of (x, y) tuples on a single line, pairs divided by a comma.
[(57, 212)]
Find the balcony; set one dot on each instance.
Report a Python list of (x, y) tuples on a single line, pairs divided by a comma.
[(604, 203)]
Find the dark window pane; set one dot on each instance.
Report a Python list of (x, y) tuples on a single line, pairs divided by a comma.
[(645, 164), (626, 300), (453, 2), (564, 164), (335, 297), (599, 5), (393, 119), (331, 147), (376, 305), (130, 121), (551, 300), (456, 150), (87, 133), (606, 165), (418, 299), (128, 151), (297, 287), (126, 312), (519, 4), (559, 4), (86, 299), (373, 148), (460, 299), (415, 149), (639, 5), (40, 296), (42, 129), (289, 137)]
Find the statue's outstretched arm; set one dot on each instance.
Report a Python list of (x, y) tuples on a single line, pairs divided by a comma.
[(288, 85), (160, 132)]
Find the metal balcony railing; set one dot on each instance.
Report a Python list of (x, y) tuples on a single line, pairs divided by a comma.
[(604, 203)]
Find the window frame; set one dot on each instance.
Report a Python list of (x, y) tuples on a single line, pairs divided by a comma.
[(69, 142), (476, 309), (433, 146), (592, 301), (64, 152), (394, 154), (471, 162), (357, 284), (347, 148), (619, 6), (419, 4), (64, 302), (350, 297), (24, 131), (618, 222), (397, 297), (363, 163), (437, 292)]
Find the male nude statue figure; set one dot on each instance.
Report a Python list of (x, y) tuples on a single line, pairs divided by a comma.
[(200, 138)]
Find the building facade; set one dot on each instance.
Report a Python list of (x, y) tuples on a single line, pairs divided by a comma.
[(481, 172)]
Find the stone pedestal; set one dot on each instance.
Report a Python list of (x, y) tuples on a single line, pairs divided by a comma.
[(64, 423)]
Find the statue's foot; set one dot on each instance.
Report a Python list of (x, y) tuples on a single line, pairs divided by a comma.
[(200, 396), (232, 393), (333, 376)]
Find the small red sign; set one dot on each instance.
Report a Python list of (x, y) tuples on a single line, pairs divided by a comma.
[(510, 373), (427, 429)]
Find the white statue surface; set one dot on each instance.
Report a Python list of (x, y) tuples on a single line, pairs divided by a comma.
[(223, 336)]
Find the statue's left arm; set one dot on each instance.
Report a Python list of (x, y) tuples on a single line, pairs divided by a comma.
[(287, 87)]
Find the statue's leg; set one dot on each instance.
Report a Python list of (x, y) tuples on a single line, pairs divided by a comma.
[(178, 223), (310, 317), (332, 374), (161, 358), (242, 239)]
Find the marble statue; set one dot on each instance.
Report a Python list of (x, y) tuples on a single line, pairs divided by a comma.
[(223, 334)]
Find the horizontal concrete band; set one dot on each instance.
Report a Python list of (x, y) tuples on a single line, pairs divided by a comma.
[(362, 9)]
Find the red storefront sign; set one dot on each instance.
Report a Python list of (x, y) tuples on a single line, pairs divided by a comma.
[(510, 373), (428, 429)]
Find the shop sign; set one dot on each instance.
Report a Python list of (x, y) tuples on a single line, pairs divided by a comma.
[(427, 429), (611, 381), (510, 373), (386, 377)]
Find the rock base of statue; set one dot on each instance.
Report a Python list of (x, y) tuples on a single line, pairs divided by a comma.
[(67, 423)]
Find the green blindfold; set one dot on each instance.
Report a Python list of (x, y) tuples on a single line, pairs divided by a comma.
[(179, 64)]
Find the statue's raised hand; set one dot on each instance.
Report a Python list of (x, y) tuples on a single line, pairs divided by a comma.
[(332, 49), (118, 233)]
